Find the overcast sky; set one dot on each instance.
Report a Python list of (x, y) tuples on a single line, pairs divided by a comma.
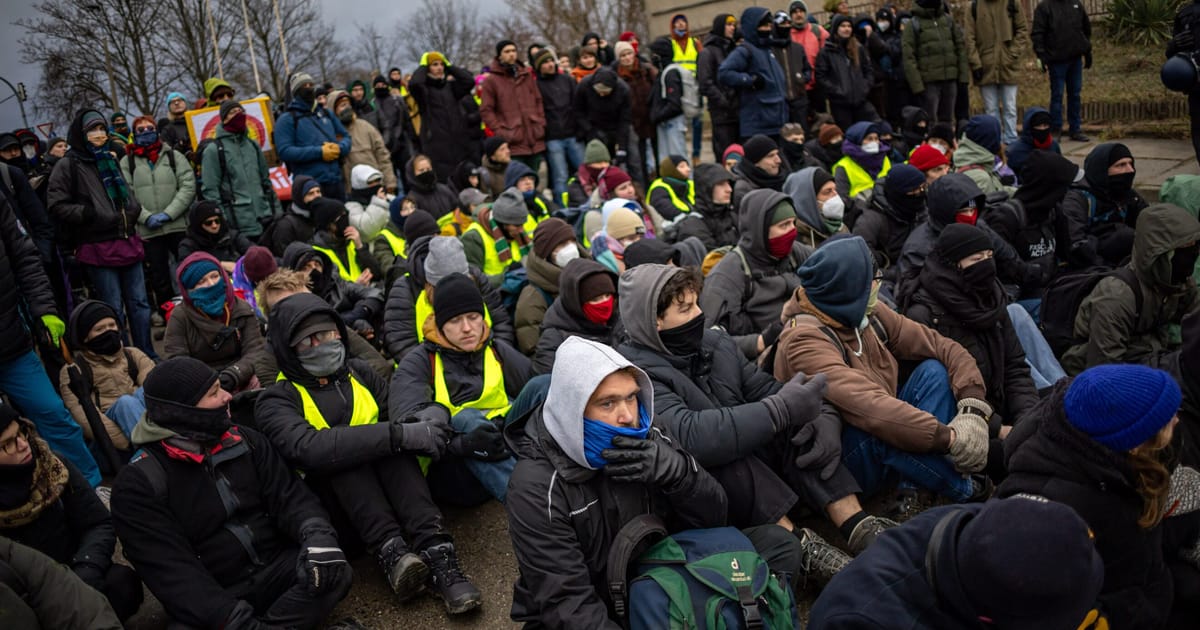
[(382, 12)]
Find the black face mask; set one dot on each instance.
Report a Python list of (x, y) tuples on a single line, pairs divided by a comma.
[(795, 153), (834, 151), (684, 339), (205, 426), (907, 207), (981, 276), (929, 4), (1120, 185), (382, 92), (1183, 264), (306, 94), (318, 281), (106, 343), (339, 226), (1040, 136), (426, 180), (346, 115)]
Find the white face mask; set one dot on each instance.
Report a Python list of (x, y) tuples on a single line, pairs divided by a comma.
[(883, 26), (833, 208), (565, 255), (29, 151), (941, 149), (870, 148)]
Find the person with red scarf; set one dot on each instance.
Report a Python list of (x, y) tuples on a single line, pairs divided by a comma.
[(1035, 136), (163, 181)]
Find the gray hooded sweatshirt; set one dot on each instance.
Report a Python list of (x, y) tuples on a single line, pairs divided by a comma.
[(799, 186)]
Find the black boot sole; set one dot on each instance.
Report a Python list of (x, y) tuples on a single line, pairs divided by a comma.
[(410, 581), (465, 604)]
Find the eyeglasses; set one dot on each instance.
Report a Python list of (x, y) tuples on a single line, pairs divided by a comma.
[(12, 445), (317, 339), (212, 221), (143, 129)]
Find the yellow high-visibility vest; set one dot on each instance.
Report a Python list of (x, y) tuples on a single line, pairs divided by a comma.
[(397, 243), (679, 204), (491, 260), (350, 274), (860, 180), (685, 57), (366, 410), (493, 401)]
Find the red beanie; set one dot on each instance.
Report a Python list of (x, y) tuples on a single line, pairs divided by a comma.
[(613, 177), (926, 157)]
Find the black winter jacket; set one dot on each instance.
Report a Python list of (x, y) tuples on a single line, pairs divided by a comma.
[(666, 99), (443, 122), (607, 118), (794, 61), (1083, 240), (722, 101), (438, 200), (1061, 31), (885, 231), (412, 383), (558, 101), (77, 201), (565, 316), (844, 83), (22, 281), (351, 300), (30, 210), (715, 225)]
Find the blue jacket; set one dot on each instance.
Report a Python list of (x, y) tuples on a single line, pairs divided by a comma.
[(762, 111), (299, 134), (1019, 151)]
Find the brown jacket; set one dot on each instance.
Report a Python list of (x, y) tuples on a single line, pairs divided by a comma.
[(512, 109), (111, 380), (864, 391), (367, 147), (191, 333)]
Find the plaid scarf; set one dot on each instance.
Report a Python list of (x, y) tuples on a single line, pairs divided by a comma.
[(110, 174), (501, 240)]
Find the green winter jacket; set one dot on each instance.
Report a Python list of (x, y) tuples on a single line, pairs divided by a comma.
[(996, 36), (248, 177), (159, 188), (979, 164), (1108, 318), (933, 50)]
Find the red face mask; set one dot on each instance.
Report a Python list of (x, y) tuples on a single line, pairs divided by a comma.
[(600, 312), (781, 246), (969, 219), (237, 124)]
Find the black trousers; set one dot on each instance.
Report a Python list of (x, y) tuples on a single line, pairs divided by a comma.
[(845, 115), (159, 251), (757, 496), (938, 101), (123, 588), (723, 135), (390, 498), (798, 111), (815, 493)]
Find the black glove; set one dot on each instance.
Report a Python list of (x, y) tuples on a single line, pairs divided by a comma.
[(759, 82), (1183, 41), (424, 438), (91, 575), (653, 462), (229, 380), (1087, 61), (771, 334), (320, 567), (484, 443), (823, 439), (977, 75), (797, 402), (364, 328)]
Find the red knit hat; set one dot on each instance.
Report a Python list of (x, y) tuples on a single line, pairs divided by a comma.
[(926, 157), (613, 178)]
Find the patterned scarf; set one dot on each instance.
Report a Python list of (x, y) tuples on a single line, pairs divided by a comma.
[(110, 174), (49, 479), (501, 240)]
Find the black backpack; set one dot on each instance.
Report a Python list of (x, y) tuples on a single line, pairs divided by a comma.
[(1061, 300)]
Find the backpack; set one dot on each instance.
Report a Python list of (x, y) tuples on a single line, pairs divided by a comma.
[(1060, 303), (698, 578), (85, 371), (690, 99)]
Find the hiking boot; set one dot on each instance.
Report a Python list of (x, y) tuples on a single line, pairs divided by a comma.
[(1078, 136), (349, 623), (449, 581), (1184, 494), (819, 559), (909, 503), (867, 531), (405, 571)]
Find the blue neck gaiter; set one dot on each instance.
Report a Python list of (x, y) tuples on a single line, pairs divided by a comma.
[(598, 436), (210, 300)]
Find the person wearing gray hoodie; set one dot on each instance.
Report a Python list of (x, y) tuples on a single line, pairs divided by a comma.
[(589, 461), (819, 207)]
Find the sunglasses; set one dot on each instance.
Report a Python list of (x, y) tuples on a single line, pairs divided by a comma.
[(212, 221)]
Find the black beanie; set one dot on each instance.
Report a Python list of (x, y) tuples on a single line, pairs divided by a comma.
[(500, 45), (179, 380), (942, 131), (757, 148), (650, 250), (492, 144), (324, 211), (419, 223), (959, 240), (86, 315), (455, 294), (8, 415), (819, 179), (226, 107)]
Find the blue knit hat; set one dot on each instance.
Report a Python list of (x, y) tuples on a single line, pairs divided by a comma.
[(195, 272), (174, 95), (1121, 406), (837, 278)]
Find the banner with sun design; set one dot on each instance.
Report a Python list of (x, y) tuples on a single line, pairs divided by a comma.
[(202, 123)]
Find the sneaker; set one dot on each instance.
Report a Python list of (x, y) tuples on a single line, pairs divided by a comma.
[(1079, 137), (449, 581), (405, 571), (819, 559), (867, 531)]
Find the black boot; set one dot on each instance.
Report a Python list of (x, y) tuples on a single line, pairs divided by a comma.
[(448, 580), (404, 570)]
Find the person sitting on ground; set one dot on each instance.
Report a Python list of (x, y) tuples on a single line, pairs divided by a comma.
[(554, 246), (746, 290), (713, 220), (36, 587), (864, 160), (592, 443), (959, 296), (462, 368), (498, 238), (617, 184), (933, 430), (369, 202), (794, 150), (113, 373), (622, 227), (425, 190), (1130, 322), (342, 243), (761, 168), (496, 159), (731, 416), (581, 188), (359, 306), (251, 269), (732, 156), (213, 325), (826, 145), (896, 209), (410, 302), (208, 232), (978, 155), (586, 307), (201, 485), (930, 161), (673, 193), (297, 224), (390, 247), (518, 175), (820, 209), (1099, 214), (1035, 136), (329, 416), (1021, 562), (1095, 445), (942, 138), (47, 504), (1044, 182)]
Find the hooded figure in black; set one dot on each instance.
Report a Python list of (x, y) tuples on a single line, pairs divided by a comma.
[(968, 305), (582, 282), (430, 195), (714, 223), (914, 127), (721, 100), (444, 125), (745, 292), (329, 417), (352, 258), (297, 223), (223, 532), (1098, 216), (226, 244), (897, 206), (360, 307), (1044, 182)]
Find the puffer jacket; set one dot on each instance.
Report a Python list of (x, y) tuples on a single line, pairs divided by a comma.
[(722, 101), (759, 111), (996, 35), (536, 298), (563, 515), (49, 587), (76, 199), (511, 108), (232, 342), (247, 178), (110, 380), (714, 225), (1116, 332), (937, 53), (299, 135), (1061, 31), (159, 188), (22, 280), (565, 316), (844, 83), (745, 292)]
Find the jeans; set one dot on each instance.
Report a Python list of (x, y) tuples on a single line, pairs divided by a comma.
[(1069, 75), (565, 155), (870, 459), (1043, 366), (492, 475), (997, 97), (938, 100), (697, 135), (32, 394), (127, 410), (124, 288), (672, 137)]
